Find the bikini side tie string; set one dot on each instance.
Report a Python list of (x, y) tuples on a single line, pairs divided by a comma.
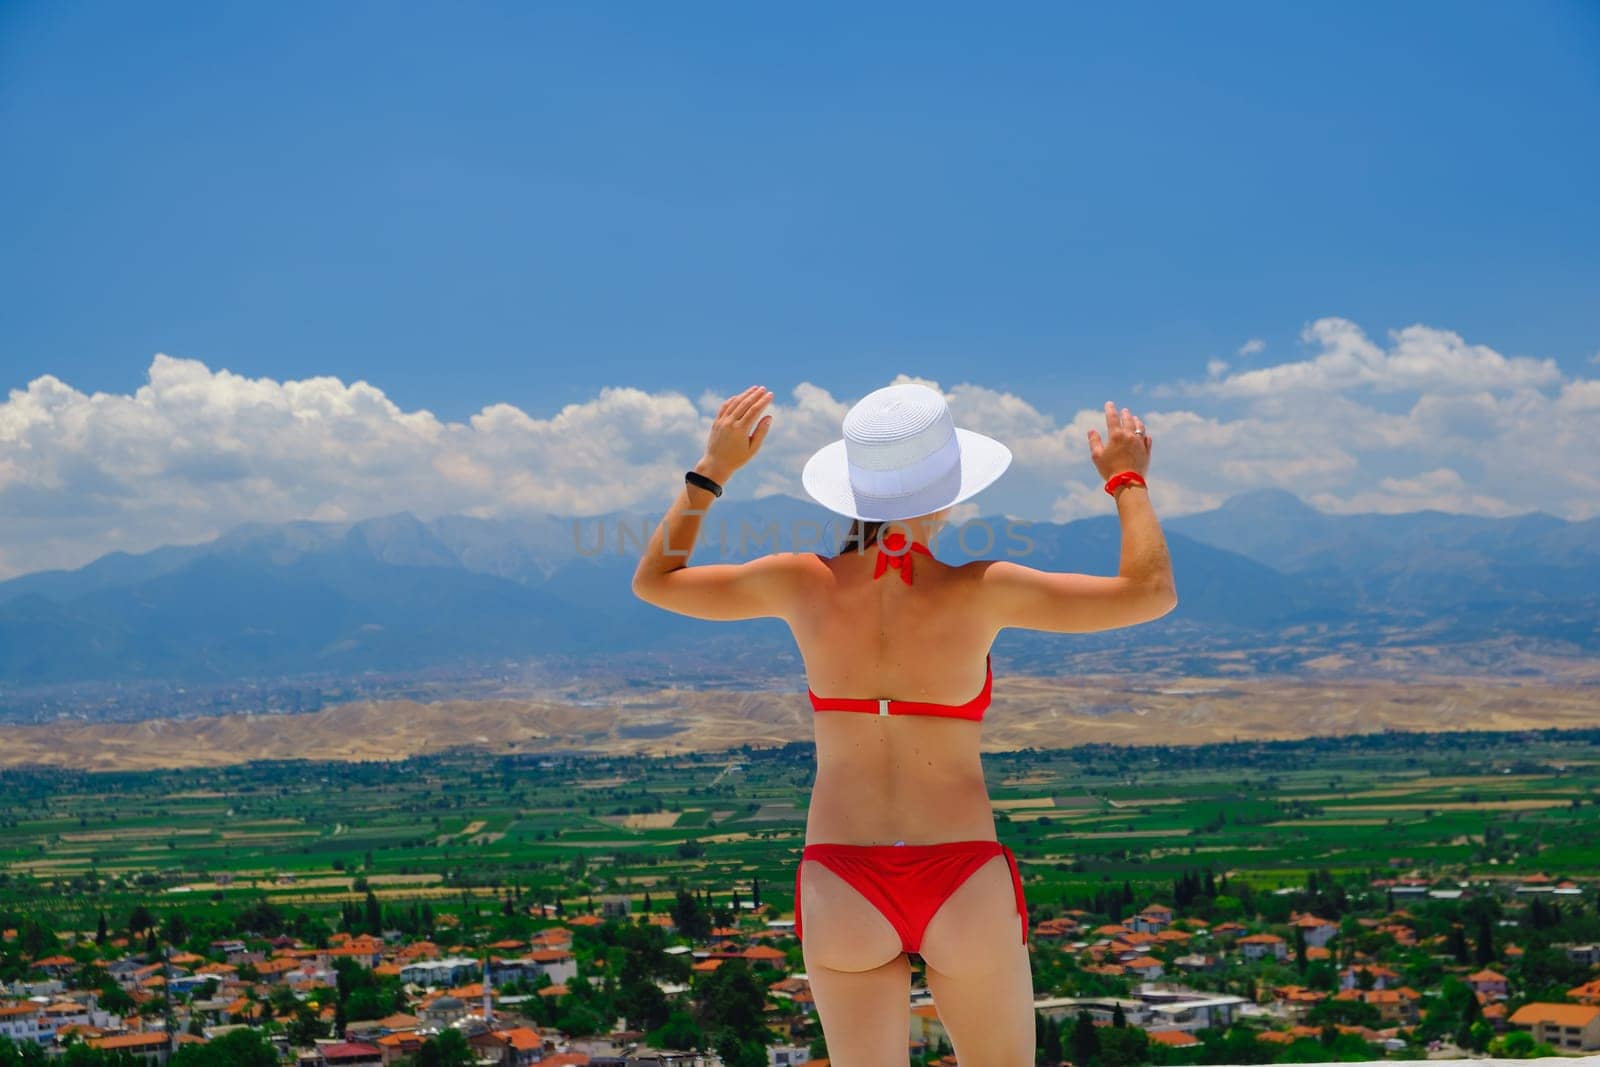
[(900, 560)]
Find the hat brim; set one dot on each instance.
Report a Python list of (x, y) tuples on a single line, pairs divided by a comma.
[(826, 478)]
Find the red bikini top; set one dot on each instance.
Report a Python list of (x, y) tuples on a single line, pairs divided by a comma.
[(972, 709), (898, 557)]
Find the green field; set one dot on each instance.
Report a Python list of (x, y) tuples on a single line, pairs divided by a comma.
[(463, 824)]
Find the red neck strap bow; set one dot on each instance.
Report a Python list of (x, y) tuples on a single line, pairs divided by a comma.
[(897, 556)]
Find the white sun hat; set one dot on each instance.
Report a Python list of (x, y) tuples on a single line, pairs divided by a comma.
[(902, 455)]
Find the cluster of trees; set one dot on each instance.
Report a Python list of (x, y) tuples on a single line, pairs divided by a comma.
[(239, 1048), (1121, 1045)]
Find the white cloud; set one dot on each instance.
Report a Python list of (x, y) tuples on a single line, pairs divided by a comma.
[(195, 451), (1442, 489), (1215, 367), (1420, 358), (1252, 347)]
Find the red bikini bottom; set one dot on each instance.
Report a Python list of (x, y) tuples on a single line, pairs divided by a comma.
[(908, 883)]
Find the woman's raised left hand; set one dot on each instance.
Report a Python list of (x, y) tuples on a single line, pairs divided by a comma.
[(736, 433)]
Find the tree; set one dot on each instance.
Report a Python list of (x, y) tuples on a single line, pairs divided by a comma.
[(306, 1026), (1485, 948), (1084, 1040), (1124, 1046), (1519, 1045), (733, 998), (374, 915), (680, 1031), (449, 1049), (737, 1052), (1046, 1039), (692, 920), (237, 1048)]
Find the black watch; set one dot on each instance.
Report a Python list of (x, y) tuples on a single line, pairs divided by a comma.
[(697, 479)]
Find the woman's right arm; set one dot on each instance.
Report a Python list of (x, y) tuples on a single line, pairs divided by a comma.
[(1143, 587)]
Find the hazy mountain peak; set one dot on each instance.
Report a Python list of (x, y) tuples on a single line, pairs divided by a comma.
[(1278, 503)]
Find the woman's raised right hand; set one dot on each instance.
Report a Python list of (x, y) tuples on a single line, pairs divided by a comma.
[(1122, 449)]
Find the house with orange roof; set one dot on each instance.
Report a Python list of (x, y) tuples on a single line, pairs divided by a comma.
[(417, 950), (1261, 946), (551, 937), (1397, 1005), (402, 1044), (1147, 967), (1054, 929), (25, 1021), (1112, 969), (1403, 935), (1565, 1026), (1382, 977), (1298, 999), (1317, 930), (764, 954), (1490, 983), (151, 1046), (508, 1047), (1228, 929), (277, 970), (1173, 1038)]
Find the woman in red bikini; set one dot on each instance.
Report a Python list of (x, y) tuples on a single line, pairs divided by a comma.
[(900, 850)]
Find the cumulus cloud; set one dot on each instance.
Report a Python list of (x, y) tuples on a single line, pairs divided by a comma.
[(1418, 358), (1252, 347), (1426, 420)]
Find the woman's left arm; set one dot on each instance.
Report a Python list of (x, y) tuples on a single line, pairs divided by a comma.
[(760, 588)]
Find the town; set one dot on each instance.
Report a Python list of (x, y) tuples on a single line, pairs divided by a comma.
[(1382, 896)]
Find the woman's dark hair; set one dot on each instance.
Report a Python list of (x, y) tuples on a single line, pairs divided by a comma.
[(863, 535)]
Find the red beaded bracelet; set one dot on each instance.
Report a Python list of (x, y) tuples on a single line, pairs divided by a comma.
[(1117, 481)]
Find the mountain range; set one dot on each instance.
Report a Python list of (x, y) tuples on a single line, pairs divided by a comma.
[(1265, 576)]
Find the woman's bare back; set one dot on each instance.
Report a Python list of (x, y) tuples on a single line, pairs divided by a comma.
[(882, 779)]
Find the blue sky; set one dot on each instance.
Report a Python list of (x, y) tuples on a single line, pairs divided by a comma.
[(475, 203), (1038, 208)]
